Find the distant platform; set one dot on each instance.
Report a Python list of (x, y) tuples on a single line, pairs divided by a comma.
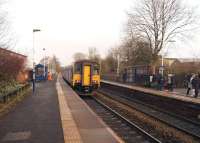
[(173, 95), (79, 122)]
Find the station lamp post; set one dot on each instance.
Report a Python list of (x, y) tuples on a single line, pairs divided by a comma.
[(44, 61), (162, 60), (34, 30), (118, 64), (162, 64)]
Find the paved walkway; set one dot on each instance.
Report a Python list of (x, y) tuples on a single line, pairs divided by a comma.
[(80, 123), (35, 120)]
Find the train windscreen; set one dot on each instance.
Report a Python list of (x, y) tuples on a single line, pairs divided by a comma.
[(77, 68), (96, 69)]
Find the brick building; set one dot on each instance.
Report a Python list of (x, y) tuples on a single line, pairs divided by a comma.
[(9, 59)]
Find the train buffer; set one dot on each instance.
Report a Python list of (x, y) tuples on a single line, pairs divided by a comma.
[(55, 114)]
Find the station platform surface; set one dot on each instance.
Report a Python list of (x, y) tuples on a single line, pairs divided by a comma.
[(55, 114), (79, 122), (35, 120), (177, 94)]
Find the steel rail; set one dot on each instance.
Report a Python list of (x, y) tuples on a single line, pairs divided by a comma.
[(161, 120), (147, 135)]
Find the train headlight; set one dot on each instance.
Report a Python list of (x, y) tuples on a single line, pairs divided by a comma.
[(77, 81), (95, 81)]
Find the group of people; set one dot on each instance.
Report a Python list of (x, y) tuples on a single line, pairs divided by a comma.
[(193, 83), (166, 82)]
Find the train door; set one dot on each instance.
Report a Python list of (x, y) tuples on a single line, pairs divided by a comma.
[(86, 75)]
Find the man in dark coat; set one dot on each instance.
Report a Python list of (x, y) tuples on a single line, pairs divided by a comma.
[(124, 76), (160, 81)]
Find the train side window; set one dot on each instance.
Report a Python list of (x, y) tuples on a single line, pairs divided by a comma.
[(77, 69), (96, 70)]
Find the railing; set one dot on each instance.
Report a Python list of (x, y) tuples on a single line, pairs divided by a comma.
[(112, 77), (144, 80), (15, 92)]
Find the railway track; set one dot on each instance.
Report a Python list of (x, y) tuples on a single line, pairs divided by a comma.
[(186, 119), (172, 106), (126, 129), (184, 126)]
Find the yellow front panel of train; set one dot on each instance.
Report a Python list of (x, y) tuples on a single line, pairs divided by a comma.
[(86, 75), (76, 79), (96, 79)]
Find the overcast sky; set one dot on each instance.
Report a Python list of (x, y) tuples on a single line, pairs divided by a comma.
[(70, 26)]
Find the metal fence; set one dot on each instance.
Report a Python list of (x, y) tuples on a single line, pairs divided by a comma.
[(140, 75), (136, 75), (4, 97)]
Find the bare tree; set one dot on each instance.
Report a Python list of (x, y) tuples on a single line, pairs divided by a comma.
[(6, 36), (93, 54), (57, 64), (126, 51), (79, 56), (142, 54), (158, 22), (109, 64), (135, 52)]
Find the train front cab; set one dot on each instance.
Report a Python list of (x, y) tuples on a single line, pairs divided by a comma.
[(86, 77), (96, 76), (76, 77)]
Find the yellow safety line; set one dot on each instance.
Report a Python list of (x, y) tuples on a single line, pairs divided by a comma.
[(70, 130), (119, 140)]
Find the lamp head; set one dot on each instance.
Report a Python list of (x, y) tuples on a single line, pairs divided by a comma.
[(36, 30)]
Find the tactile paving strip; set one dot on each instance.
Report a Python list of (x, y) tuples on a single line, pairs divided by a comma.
[(70, 130)]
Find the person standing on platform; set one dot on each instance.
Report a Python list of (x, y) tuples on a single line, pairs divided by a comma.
[(170, 82), (49, 76), (189, 83), (150, 80), (124, 76), (159, 81), (195, 86)]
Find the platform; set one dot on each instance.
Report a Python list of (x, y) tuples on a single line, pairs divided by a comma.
[(173, 95), (79, 122), (35, 120)]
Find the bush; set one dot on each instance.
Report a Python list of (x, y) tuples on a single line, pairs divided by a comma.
[(7, 87), (10, 65)]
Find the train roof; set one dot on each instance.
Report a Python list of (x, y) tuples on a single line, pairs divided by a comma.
[(67, 67), (86, 61)]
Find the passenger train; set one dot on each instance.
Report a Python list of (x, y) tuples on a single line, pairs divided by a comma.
[(83, 76)]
